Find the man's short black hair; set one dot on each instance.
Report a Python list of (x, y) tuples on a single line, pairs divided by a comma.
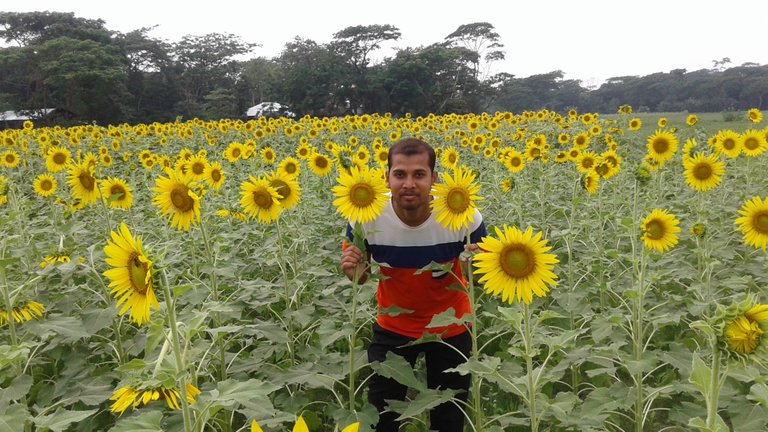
[(411, 146)]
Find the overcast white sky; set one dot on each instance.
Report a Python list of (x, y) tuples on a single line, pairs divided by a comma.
[(590, 40)]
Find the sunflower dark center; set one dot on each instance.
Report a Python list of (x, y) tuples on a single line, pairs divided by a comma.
[(198, 168), (216, 175), (87, 181), (361, 195), (517, 261), (729, 144), (602, 169), (587, 162), (236, 152), (660, 145), (702, 171), (515, 162), (59, 158), (457, 200), (46, 185), (760, 221), (281, 188), (751, 143), (138, 270), (117, 190), (181, 200), (290, 168), (654, 230), (262, 199), (321, 162)]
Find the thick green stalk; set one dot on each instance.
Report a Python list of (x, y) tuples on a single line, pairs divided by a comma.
[(8, 307), (528, 342), (477, 401), (214, 289), (638, 338), (287, 295), (714, 387), (353, 342), (177, 353)]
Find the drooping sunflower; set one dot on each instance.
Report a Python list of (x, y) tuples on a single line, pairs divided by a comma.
[(516, 265), (260, 200), (755, 115), (175, 198), (130, 275), (662, 146), (82, 183), (360, 194), (753, 222), (128, 396), (703, 172), (117, 193), (320, 164), (57, 159), (286, 187), (44, 185), (753, 143), (454, 199), (660, 230), (743, 333), (21, 314), (590, 181)]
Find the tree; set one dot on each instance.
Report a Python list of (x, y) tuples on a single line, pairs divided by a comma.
[(481, 39), (29, 28)]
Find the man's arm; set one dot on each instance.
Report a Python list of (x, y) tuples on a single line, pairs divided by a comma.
[(351, 259)]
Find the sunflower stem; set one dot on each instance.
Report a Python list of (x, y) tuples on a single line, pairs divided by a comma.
[(286, 293), (180, 367), (106, 216), (527, 341), (712, 399), (214, 289), (8, 307), (575, 375), (359, 241), (477, 407)]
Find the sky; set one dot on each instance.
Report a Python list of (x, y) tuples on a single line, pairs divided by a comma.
[(589, 40)]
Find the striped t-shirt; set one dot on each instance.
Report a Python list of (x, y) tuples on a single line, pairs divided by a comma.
[(415, 298)]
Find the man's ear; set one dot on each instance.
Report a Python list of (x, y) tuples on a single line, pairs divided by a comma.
[(386, 178), (434, 177)]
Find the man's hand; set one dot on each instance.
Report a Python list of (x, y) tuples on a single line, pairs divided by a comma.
[(351, 259)]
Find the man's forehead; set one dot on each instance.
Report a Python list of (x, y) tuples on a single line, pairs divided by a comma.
[(414, 162)]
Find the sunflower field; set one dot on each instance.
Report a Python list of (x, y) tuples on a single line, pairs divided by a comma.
[(185, 276)]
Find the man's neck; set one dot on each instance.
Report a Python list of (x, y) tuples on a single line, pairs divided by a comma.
[(412, 218)]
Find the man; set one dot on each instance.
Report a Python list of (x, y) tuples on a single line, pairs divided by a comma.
[(405, 238)]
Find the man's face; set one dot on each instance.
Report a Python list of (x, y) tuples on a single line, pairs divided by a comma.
[(411, 180)]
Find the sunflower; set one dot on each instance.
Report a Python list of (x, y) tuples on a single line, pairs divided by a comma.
[(662, 122), (286, 187), (130, 275), (9, 159), (82, 183), (590, 181), (662, 146), (586, 161), (128, 396), (728, 142), (360, 195), (44, 185), (581, 141), (260, 200), (320, 164), (753, 222), (703, 172), (175, 198), (743, 332), (304, 151), (214, 175), (196, 167), (117, 193), (290, 166), (691, 120), (516, 265), (635, 124), (753, 143), (454, 199), (233, 152), (660, 230), (755, 115), (21, 314), (507, 184), (57, 159), (449, 158), (514, 161)]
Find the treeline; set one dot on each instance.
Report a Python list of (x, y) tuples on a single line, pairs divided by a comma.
[(58, 60)]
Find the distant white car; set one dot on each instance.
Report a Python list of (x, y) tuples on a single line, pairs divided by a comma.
[(270, 110)]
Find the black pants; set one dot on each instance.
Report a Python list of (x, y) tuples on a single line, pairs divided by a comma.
[(443, 418)]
